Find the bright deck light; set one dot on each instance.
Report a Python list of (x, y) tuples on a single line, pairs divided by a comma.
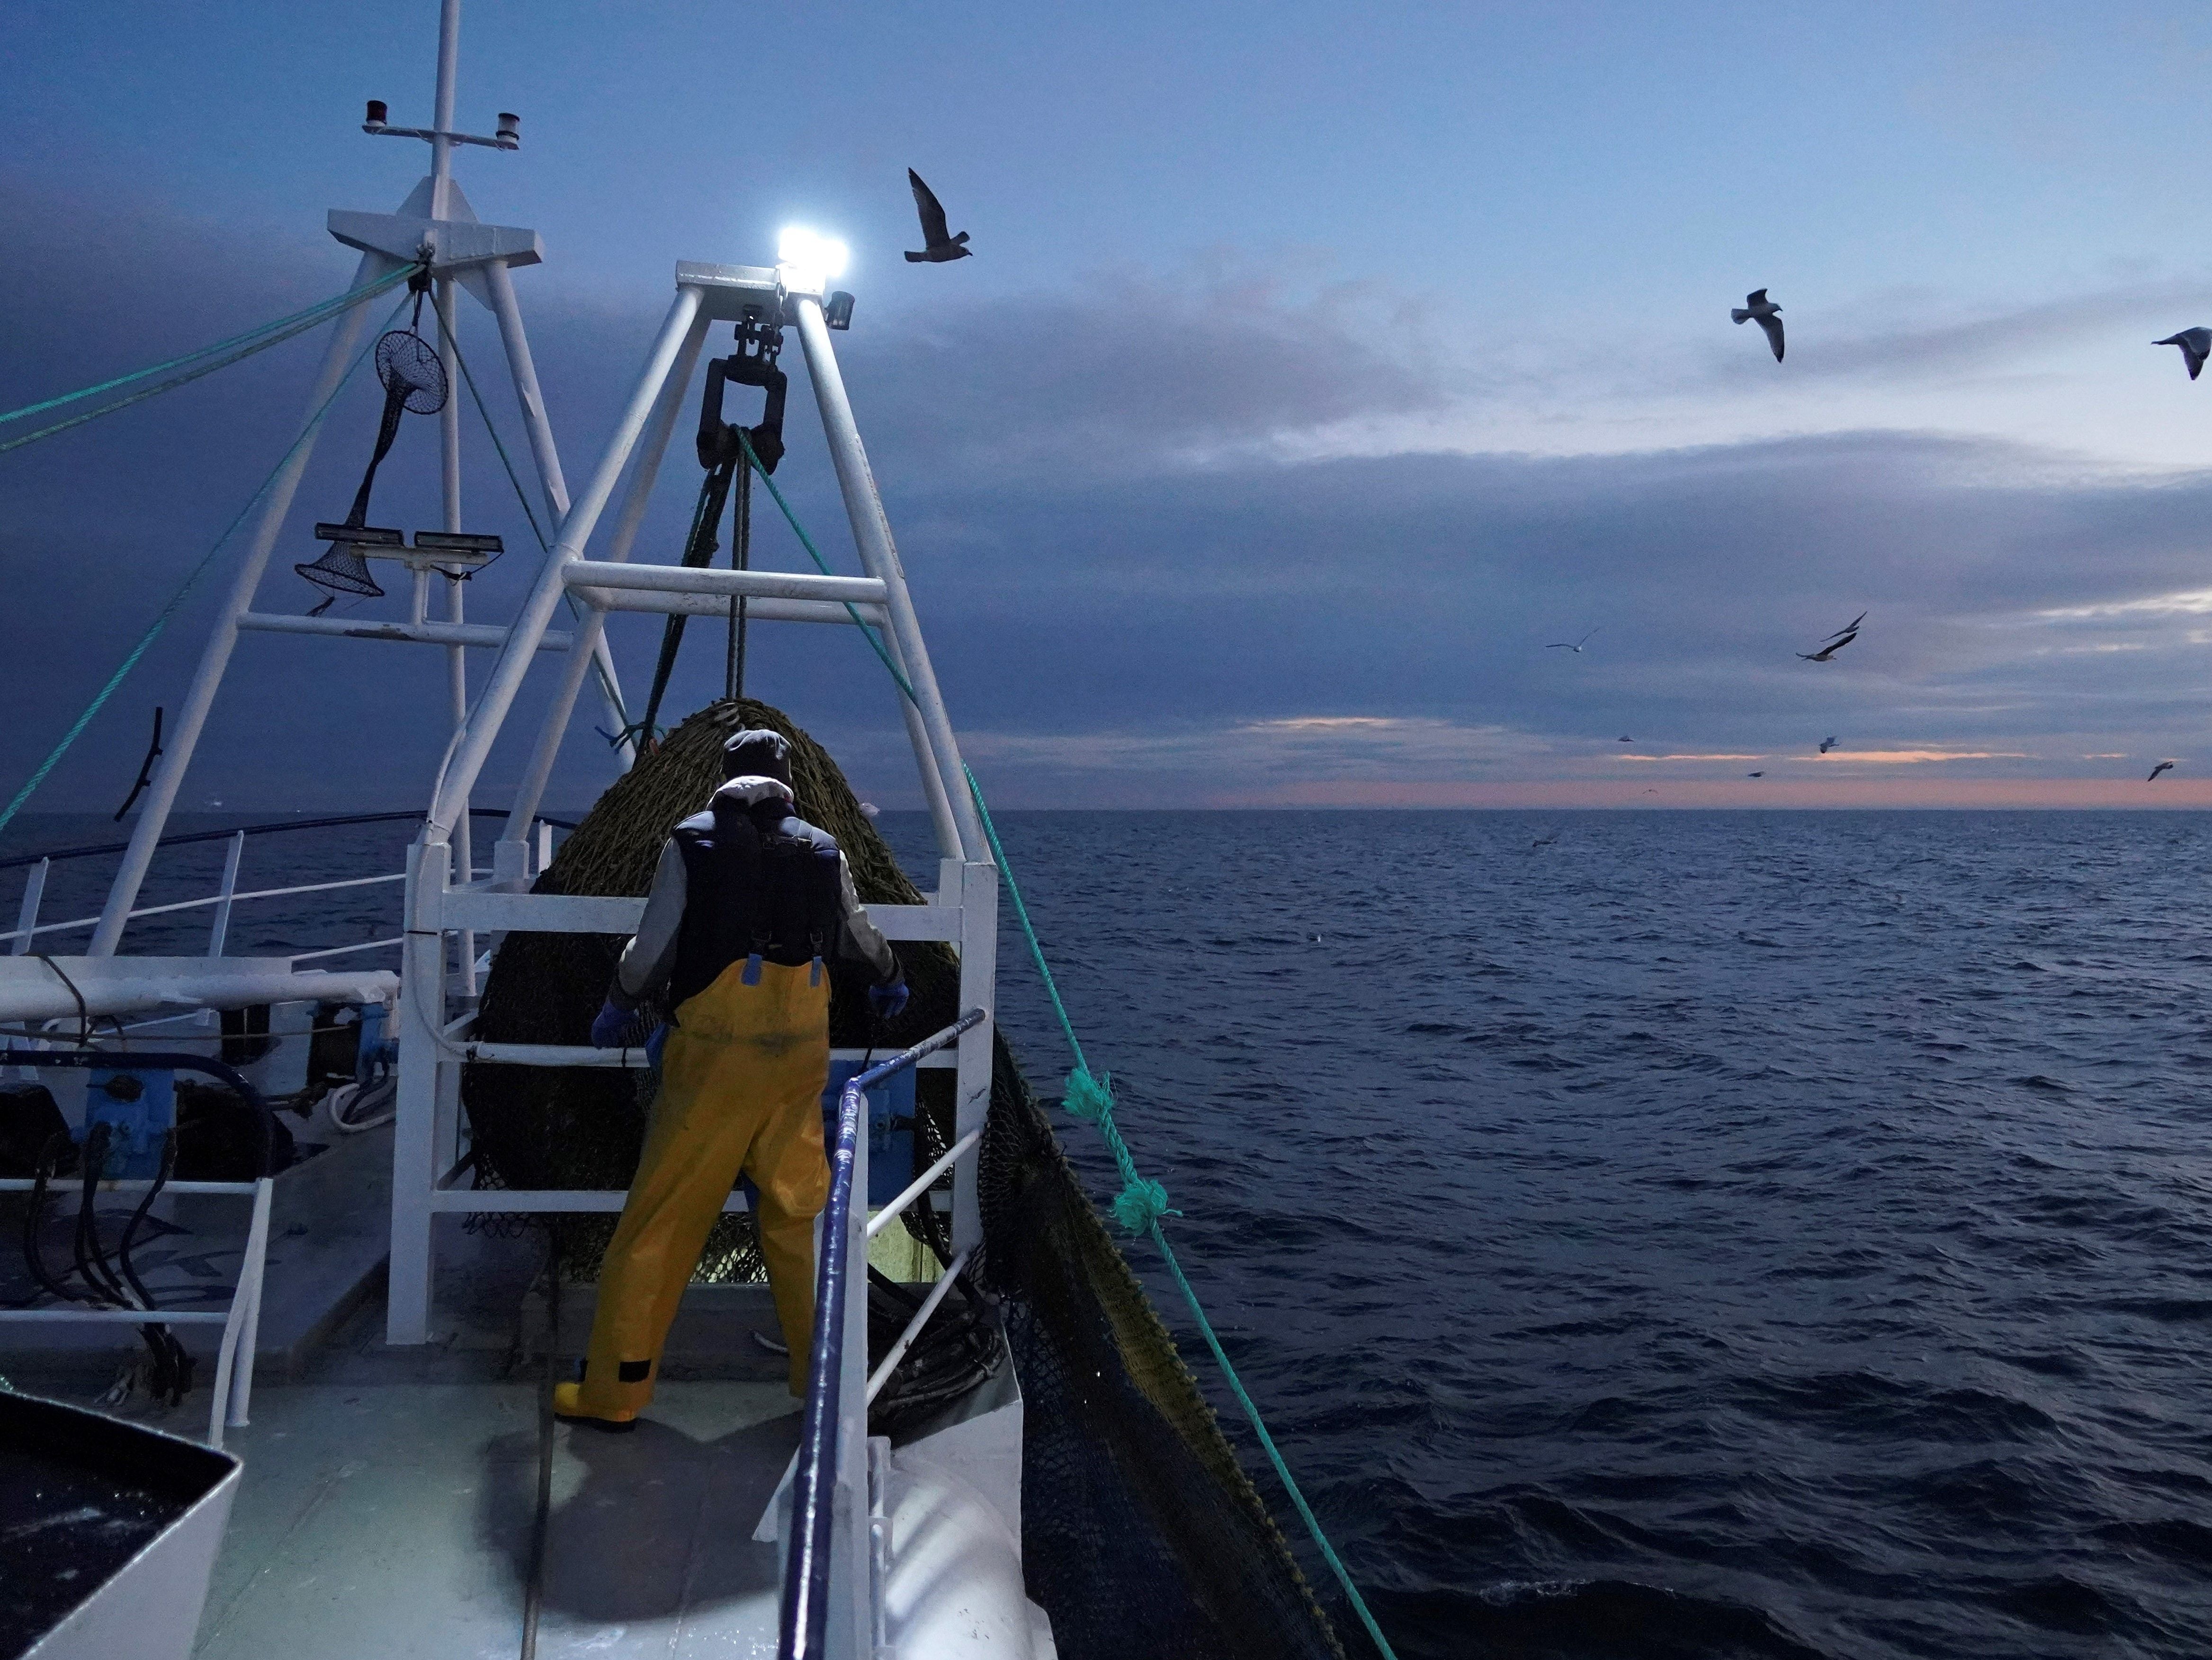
[(817, 256)]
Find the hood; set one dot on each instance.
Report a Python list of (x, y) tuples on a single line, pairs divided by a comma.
[(752, 791), (757, 753)]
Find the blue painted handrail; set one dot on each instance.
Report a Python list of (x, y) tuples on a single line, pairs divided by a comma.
[(806, 1567)]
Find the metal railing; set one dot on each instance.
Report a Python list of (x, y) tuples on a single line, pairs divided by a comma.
[(20, 938), (830, 1482)]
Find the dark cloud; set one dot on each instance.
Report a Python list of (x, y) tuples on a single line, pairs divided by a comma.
[(1136, 372), (1121, 578)]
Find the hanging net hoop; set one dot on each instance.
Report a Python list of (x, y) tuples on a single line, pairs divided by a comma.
[(411, 372)]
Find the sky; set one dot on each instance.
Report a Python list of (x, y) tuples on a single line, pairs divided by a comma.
[(1318, 367)]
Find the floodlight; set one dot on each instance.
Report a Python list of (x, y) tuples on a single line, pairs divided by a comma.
[(810, 253)]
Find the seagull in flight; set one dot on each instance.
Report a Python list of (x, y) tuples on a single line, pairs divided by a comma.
[(1562, 645), (1625, 739), (1758, 308), (2163, 767), (1754, 775), (1827, 744), (1837, 641), (939, 245), (2196, 345)]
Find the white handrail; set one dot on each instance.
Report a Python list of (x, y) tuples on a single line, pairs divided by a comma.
[(890, 1214), (882, 1374), (213, 899), (340, 950)]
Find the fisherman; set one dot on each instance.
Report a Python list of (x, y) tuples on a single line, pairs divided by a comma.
[(748, 900)]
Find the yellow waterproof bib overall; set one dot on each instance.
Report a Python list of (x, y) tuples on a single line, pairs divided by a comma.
[(741, 1083)]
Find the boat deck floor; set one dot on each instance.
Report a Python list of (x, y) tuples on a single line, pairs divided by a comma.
[(389, 1500), (398, 1519)]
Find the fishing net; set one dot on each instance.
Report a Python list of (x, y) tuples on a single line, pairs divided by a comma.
[(584, 1127), (1141, 1535)]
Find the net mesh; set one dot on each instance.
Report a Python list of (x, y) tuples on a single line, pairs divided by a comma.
[(1141, 1535)]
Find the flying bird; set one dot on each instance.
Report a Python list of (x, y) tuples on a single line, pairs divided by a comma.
[(1628, 739), (1562, 645), (1545, 840), (938, 244), (1836, 642), (1754, 775), (1827, 744), (2163, 767), (1827, 652), (1758, 308), (2196, 345)]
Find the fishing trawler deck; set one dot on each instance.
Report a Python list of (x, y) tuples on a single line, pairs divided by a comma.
[(395, 1492), (376, 1330)]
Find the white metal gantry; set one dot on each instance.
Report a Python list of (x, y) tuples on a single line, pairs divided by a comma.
[(427, 1173), (435, 226)]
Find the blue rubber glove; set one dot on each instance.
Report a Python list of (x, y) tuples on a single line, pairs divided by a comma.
[(609, 1025), (889, 1001)]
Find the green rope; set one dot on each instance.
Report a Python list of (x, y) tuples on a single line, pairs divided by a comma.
[(522, 496), (1090, 1097), (492, 431), (1274, 1457), (190, 581), (822, 566), (283, 329)]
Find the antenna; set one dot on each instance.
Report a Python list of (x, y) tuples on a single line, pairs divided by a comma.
[(441, 135)]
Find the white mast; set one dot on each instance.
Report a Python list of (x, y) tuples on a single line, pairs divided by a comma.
[(436, 224)]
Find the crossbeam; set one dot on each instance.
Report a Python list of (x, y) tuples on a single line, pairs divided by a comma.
[(589, 573), (713, 605), (482, 634)]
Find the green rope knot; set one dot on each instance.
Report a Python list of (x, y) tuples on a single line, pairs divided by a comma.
[(1142, 1204), (1089, 1096)]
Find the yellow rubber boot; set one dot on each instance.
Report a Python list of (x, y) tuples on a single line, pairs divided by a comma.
[(741, 1088)]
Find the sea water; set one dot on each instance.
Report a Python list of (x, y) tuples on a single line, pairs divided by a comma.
[(1700, 1234)]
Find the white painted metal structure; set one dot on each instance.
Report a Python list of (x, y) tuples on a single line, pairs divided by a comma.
[(437, 225), (434, 1044)]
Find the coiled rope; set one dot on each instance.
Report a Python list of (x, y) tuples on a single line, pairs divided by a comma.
[(1089, 1096), (204, 361)]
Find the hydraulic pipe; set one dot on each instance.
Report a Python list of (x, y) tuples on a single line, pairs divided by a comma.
[(506, 678), (222, 638), (872, 533)]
